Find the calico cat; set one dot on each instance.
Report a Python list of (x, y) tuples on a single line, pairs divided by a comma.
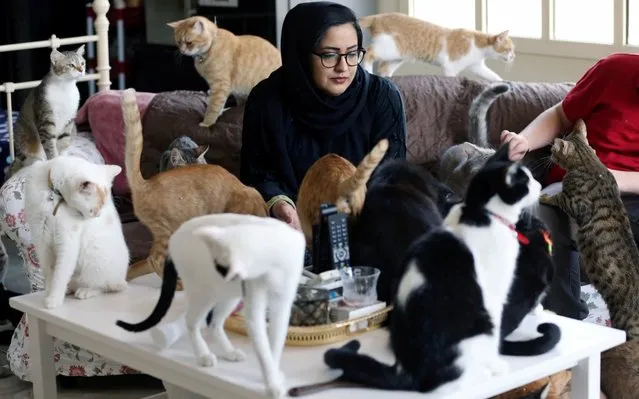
[(334, 180), (397, 37), (461, 161), (168, 199), (440, 345), (223, 258), (182, 151), (75, 228), (47, 117), (590, 196), (230, 64)]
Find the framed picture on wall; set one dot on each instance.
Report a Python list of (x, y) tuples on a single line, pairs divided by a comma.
[(218, 3)]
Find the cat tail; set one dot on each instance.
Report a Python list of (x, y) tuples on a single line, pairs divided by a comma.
[(167, 292), (550, 336), (477, 126), (133, 139), (364, 370), (353, 190)]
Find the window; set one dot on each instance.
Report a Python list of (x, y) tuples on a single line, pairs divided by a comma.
[(521, 17), (588, 21), (448, 13), (632, 38)]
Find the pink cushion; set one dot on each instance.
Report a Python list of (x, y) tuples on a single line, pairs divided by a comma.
[(103, 112)]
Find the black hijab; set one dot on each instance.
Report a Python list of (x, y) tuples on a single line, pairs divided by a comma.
[(314, 111)]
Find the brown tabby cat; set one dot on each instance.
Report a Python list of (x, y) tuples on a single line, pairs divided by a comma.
[(334, 180), (590, 196), (620, 371), (230, 64), (397, 37), (170, 198)]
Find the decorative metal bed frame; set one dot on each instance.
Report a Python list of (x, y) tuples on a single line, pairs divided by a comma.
[(102, 70)]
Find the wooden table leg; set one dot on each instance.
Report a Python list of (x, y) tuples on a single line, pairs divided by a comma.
[(586, 378), (41, 360)]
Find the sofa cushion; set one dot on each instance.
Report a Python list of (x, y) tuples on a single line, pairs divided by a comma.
[(103, 112), (176, 113), (436, 114)]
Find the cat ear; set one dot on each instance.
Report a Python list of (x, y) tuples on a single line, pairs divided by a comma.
[(210, 234), (112, 171), (198, 27), (501, 37), (86, 186), (80, 50), (56, 56), (175, 24), (501, 155), (176, 157), (201, 150)]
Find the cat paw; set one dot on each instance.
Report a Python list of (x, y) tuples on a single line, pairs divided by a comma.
[(236, 355), (206, 124), (85, 293), (276, 389), (117, 287), (498, 367), (538, 310), (546, 199), (208, 360), (53, 301)]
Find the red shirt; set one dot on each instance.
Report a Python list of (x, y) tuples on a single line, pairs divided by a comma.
[(607, 99)]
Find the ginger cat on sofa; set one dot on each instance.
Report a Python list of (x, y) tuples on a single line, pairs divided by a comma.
[(334, 180), (230, 64), (168, 199), (396, 38)]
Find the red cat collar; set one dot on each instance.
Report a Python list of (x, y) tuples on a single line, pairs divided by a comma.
[(520, 237), (548, 240)]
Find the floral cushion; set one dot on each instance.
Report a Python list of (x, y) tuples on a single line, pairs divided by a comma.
[(598, 311), (70, 360)]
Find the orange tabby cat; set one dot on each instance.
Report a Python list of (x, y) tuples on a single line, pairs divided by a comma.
[(230, 64), (168, 199), (396, 38), (334, 180)]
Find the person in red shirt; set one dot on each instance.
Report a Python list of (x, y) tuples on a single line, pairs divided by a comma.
[(606, 97)]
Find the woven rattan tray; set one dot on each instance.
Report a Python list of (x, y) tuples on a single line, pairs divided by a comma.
[(321, 334)]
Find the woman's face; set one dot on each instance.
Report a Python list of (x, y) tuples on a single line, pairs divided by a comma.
[(335, 79)]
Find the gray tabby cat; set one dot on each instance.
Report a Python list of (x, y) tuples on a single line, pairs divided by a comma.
[(461, 161), (183, 151), (47, 117)]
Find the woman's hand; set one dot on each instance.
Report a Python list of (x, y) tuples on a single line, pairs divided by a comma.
[(283, 211), (519, 145)]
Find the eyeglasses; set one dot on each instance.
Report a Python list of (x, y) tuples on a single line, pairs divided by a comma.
[(330, 60)]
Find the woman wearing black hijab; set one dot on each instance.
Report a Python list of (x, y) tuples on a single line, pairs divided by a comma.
[(319, 101)]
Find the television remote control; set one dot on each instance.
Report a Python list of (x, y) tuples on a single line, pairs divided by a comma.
[(338, 235)]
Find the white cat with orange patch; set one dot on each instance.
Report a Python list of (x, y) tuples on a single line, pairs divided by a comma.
[(75, 228), (396, 38)]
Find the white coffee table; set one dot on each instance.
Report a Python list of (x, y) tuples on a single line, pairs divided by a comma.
[(91, 324)]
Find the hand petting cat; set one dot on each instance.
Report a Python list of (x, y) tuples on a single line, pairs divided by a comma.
[(287, 214), (519, 145)]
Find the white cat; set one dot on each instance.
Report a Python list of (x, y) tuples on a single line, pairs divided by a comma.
[(75, 228), (220, 258)]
